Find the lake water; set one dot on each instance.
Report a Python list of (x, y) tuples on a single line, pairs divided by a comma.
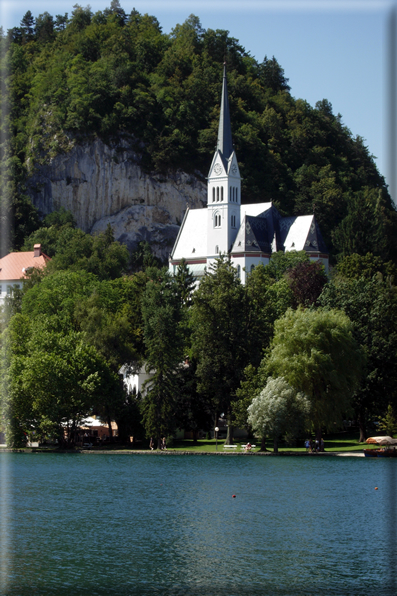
[(168, 525)]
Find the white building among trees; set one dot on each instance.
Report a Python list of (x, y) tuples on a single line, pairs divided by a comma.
[(248, 234)]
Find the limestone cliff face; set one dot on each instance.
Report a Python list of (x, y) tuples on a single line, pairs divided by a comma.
[(100, 184)]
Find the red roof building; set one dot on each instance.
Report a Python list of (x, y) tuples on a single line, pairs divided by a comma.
[(15, 266)]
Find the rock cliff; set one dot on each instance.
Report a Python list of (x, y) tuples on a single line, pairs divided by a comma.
[(100, 184)]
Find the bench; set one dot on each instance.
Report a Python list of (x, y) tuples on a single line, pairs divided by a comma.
[(244, 448), (231, 447)]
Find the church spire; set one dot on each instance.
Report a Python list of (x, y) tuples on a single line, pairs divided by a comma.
[(225, 144)]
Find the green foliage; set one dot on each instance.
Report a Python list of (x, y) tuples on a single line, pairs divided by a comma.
[(279, 410), (355, 266), (219, 339), (52, 378), (281, 262), (267, 300), (109, 73), (316, 354), (371, 305), (388, 422), (143, 258), (71, 248), (161, 309)]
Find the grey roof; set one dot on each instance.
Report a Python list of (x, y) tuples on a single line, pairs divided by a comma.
[(268, 232), (225, 143)]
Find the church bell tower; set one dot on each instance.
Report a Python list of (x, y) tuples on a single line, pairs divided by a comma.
[(223, 187)]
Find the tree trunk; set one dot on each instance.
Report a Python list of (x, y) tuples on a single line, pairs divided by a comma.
[(362, 425), (229, 434), (195, 436), (318, 438), (110, 429), (263, 444), (275, 445)]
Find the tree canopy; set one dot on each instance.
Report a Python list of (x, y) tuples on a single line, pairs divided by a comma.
[(76, 77), (315, 352)]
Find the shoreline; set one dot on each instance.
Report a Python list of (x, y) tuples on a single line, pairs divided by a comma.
[(170, 452)]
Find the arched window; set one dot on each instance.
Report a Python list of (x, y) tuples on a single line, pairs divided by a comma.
[(236, 195), (221, 193), (233, 221), (217, 221), (238, 271), (217, 250), (213, 194), (217, 193), (230, 194)]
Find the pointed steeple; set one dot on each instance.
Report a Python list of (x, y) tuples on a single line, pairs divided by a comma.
[(225, 144)]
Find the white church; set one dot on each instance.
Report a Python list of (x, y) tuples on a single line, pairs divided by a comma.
[(248, 234)]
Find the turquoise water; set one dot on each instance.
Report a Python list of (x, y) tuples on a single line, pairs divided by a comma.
[(168, 525)]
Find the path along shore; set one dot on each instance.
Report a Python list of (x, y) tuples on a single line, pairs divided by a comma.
[(171, 452)]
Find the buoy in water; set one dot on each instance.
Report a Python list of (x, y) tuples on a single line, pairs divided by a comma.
[(376, 488), (233, 496)]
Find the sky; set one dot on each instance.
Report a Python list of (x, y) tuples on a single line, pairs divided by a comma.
[(337, 50)]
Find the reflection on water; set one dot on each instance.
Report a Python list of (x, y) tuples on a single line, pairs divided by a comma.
[(140, 525)]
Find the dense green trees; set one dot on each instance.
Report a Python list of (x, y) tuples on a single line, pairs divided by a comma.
[(219, 341), (315, 352), (162, 315), (371, 305), (211, 351), (109, 73)]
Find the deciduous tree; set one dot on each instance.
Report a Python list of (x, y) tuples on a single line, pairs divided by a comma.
[(316, 354)]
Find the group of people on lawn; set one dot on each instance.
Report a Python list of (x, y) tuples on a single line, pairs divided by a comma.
[(317, 445), (163, 444)]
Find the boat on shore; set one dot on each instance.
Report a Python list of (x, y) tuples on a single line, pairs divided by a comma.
[(387, 447)]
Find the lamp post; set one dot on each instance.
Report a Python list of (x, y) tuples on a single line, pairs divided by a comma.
[(216, 438)]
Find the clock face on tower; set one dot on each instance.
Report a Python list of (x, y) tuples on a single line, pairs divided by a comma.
[(217, 169), (234, 169)]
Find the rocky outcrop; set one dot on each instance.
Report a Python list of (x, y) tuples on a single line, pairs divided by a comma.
[(100, 184)]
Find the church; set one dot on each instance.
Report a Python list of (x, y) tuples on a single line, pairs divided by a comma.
[(247, 234)]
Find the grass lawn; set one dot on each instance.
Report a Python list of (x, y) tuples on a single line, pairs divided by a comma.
[(344, 441)]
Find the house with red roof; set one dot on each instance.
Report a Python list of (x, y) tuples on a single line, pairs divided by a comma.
[(15, 266)]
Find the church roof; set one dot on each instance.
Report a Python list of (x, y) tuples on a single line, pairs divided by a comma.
[(301, 233), (192, 238), (225, 143), (252, 235), (262, 229)]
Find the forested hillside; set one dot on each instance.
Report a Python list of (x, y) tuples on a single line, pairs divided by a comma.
[(73, 78)]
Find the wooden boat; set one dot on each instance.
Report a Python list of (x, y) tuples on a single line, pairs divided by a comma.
[(371, 452), (386, 451)]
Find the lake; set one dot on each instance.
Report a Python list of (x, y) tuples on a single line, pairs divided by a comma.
[(169, 525)]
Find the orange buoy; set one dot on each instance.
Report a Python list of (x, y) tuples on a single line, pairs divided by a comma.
[(233, 496), (376, 488)]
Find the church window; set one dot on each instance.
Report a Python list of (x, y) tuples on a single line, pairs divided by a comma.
[(230, 194), (238, 271), (217, 193), (252, 268), (233, 221), (236, 195), (217, 250), (217, 221), (213, 194), (221, 193)]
